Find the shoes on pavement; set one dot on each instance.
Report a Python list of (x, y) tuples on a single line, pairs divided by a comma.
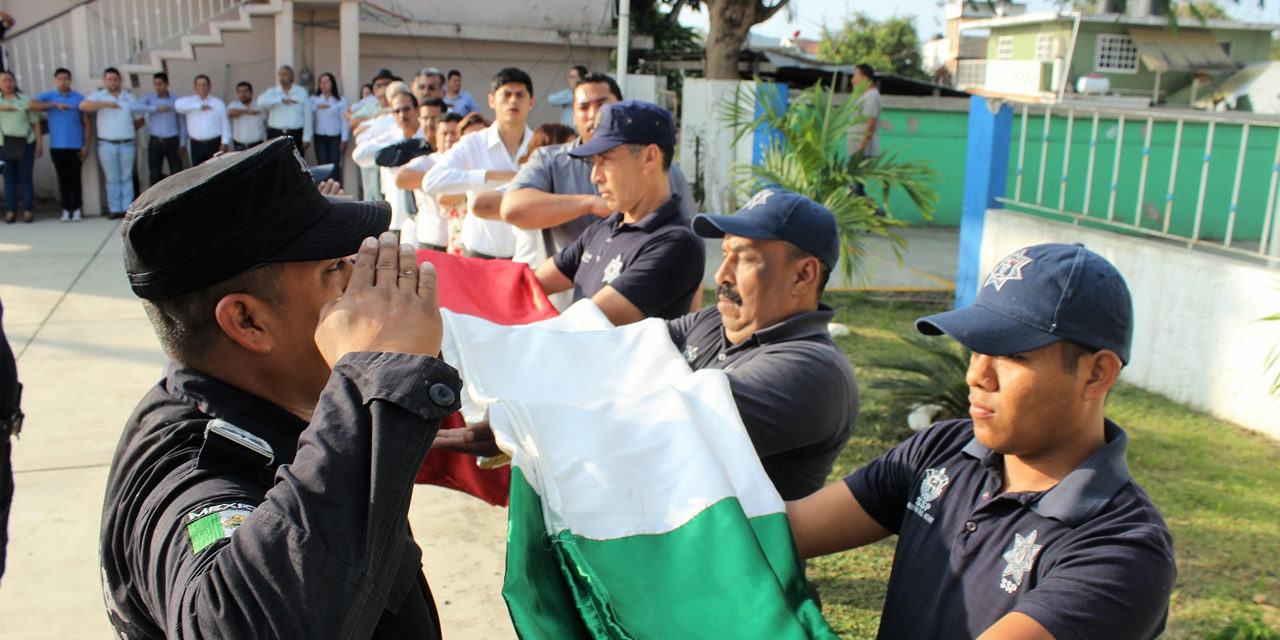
[(76, 216), (66, 216)]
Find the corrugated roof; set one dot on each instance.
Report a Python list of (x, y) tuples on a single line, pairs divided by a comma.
[(1185, 50)]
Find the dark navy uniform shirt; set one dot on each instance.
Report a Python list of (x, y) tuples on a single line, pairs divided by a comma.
[(205, 541), (656, 263), (1090, 558), (794, 388)]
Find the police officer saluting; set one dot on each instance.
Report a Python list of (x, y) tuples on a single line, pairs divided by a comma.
[(261, 489)]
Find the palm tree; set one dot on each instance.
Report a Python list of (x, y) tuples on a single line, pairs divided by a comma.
[(809, 156)]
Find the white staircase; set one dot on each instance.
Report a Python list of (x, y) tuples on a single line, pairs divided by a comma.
[(135, 36)]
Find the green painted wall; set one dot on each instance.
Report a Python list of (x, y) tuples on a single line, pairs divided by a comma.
[(1149, 207), (940, 137)]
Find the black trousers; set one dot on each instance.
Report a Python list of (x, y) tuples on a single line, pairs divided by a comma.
[(327, 152), (240, 146), (201, 151), (160, 150), (296, 134), (66, 162)]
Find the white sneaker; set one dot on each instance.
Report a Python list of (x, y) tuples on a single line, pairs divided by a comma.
[(66, 216), (75, 216)]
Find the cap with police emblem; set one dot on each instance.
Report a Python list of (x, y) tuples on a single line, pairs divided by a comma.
[(208, 223), (1040, 295), (776, 214)]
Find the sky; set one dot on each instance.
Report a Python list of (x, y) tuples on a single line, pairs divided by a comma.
[(811, 15)]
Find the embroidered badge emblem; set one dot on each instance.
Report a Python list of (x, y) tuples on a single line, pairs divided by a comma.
[(758, 199), (207, 525), (612, 270), (935, 480), (690, 353), (1019, 560), (1009, 269)]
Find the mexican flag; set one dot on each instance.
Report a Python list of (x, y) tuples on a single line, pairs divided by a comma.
[(638, 506), (504, 292)]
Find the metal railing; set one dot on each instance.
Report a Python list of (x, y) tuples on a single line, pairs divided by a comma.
[(117, 32), (1016, 77), (1208, 181)]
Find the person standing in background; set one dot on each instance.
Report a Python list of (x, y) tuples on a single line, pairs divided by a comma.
[(330, 129), (288, 110), (163, 125), (459, 101), (115, 125), (21, 129), (248, 126), (68, 144), (564, 97), (207, 124)]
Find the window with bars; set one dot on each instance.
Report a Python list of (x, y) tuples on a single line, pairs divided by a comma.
[(1116, 54), (1045, 43), (1004, 48)]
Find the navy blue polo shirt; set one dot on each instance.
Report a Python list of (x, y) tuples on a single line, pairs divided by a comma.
[(1090, 558), (656, 263), (795, 390)]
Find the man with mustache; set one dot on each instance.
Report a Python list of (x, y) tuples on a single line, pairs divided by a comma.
[(1021, 522), (795, 390)]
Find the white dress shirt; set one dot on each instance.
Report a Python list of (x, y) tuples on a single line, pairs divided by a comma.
[(432, 228), (287, 116), (205, 124), (329, 121), (114, 124), (462, 169), (364, 155), (247, 128)]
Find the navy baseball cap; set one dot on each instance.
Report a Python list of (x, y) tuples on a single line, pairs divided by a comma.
[(1040, 295), (629, 122), (236, 211), (775, 214)]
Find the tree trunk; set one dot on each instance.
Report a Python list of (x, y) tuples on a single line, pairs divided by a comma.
[(730, 21)]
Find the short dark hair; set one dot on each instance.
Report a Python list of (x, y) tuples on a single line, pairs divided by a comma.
[(509, 75), (1072, 351), (454, 72), (581, 69), (160, 75), (61, 70), (285, 66), (244, 83), (867, 70), (824, 272), (201, 75), (110, 70), (435, 101), (600, 78), (187, 325), (452, 116), (667, 153), (412, 98)]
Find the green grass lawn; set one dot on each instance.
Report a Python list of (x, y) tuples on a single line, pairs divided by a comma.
[(1217, 485)]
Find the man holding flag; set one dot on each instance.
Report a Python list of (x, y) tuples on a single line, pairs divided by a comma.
[(1022, 522)]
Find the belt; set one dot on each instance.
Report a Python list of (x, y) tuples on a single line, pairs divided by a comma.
[(249, 144), (121, 141), (163, 138), (208, 140)]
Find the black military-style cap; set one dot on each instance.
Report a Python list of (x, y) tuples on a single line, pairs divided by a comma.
[(201, 226)]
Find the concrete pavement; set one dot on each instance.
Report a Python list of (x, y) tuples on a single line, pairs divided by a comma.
[(86, 354)]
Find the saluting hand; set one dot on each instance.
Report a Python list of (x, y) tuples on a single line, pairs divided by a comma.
[(390, 304)]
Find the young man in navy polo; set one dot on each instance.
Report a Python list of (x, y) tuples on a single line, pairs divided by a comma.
[(644, 260), (1023, 521)]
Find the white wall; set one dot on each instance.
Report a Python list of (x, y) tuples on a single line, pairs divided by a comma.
[(704, 137), (1197, 335)]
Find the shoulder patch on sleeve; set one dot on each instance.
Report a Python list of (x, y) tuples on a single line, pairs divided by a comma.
[(207, 525)]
